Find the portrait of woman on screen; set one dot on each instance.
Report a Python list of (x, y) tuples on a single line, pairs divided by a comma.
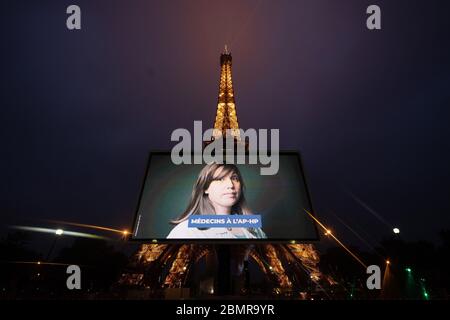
[(219, 190)]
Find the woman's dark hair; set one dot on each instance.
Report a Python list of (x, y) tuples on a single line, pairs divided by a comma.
[(200, 203)]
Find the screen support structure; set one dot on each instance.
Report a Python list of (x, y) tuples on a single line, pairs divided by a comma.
[(223, 278)]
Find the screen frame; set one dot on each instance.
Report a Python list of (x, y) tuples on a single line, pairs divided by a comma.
[(222, 241)]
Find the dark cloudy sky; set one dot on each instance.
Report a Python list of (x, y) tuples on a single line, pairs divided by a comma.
[(369, 110)]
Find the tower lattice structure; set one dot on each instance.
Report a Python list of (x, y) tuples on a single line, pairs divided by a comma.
[(287, 267), (226, 117)]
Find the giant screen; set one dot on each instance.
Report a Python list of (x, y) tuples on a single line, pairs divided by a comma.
[(215, 202)]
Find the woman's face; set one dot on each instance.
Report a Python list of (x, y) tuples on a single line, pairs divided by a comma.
[(224, 192)]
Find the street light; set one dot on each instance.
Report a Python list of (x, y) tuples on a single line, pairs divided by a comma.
[(58, 233), (125, 234), (396, 230)]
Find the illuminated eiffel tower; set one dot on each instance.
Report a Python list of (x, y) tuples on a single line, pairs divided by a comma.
[(287, 268), (226, 117)]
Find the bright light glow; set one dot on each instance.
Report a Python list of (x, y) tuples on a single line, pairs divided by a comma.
[(396, 230), (408, 270), (86, 226), (125, 232), (53, 231), (336, 239), (388, 262)]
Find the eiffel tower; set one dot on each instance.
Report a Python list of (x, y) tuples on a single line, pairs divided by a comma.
[(287, 268), (226, 117)]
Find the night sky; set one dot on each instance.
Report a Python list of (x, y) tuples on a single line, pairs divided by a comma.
[(369, 110)]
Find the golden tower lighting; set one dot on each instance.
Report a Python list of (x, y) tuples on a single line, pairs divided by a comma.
[(226, 117)]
